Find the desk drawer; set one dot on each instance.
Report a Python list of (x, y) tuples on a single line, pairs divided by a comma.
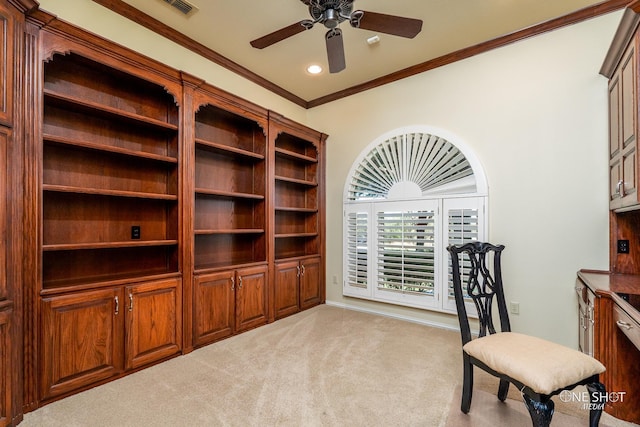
[(627, 325)]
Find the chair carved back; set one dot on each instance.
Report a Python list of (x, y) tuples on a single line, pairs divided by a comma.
[(483, 280)]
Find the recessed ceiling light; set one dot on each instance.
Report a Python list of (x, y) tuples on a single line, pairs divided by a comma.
[(314, 69)]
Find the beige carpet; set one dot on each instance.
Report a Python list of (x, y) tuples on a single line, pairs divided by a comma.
[(323, 367)]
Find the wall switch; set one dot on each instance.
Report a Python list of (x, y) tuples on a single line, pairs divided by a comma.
[(623, 246), (335, 279), (514, 307), (135, 232)]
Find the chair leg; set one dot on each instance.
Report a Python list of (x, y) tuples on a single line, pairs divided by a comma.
[(503, 389), (467, 385), (541, 412), (597, 396)]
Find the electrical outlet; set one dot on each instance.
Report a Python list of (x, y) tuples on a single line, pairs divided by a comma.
[(515, 307), (623, 246), (135, 232)]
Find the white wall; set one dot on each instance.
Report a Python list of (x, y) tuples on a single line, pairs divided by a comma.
[(535, 114)]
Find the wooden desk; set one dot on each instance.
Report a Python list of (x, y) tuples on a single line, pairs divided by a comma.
[(614, 318)]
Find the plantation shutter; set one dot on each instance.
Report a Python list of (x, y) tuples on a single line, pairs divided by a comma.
[(406, 258), (357, 251), (465, 224)]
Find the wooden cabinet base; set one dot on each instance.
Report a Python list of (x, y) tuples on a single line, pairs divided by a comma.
[(83, 334), (229, 302), (81, 340), (297, 285)]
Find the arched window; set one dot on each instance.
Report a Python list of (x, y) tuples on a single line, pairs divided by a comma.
[(409, 195)]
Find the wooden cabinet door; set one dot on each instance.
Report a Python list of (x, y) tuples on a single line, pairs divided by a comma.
[(5, 367), (81, 340), (309, 283), (153, 327), (286, 288), (214, 306), (623, 168), (251, 297)]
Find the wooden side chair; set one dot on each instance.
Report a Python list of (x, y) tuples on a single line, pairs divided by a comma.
[(538, 368)]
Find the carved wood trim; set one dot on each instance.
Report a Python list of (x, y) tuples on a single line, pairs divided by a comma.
[(60, 37), (625, 32), (281, 124), (208, 94)]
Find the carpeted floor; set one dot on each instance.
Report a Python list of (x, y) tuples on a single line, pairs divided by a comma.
[(323, 367), (487, 411)]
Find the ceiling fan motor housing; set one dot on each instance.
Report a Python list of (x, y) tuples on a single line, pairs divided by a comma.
[(330, 12)]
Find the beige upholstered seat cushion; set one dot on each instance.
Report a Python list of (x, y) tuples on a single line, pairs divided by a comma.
[(542, 365)]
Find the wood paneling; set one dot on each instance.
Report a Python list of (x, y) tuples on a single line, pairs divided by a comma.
[(7, 61)]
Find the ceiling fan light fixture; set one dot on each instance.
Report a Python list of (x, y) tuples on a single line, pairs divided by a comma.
[(331, 18), (314, 69), (331, 13)]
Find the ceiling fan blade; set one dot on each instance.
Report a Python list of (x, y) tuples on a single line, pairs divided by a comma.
[(388, 24), (335, 50), (280, 35)]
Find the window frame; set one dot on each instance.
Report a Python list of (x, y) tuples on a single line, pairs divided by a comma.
[(442, 202)]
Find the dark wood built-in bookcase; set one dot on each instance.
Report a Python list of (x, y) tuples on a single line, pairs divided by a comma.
[(230, 171), (296, 197), (298, 216), (162, 214), (110, 282), (109, 175), (229, 216)]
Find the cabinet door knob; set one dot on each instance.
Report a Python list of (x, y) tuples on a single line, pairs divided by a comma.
[(239, 282), (233, 283), (620, 188), (623, 325), (298, 269), (117, 305), (130, 301), (302, 269)]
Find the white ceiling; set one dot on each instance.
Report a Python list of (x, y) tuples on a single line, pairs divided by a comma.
[(227, 27)]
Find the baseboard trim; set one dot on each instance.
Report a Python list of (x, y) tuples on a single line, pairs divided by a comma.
[(393, 316)]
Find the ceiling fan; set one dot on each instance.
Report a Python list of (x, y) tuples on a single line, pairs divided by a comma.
[(332, 13)]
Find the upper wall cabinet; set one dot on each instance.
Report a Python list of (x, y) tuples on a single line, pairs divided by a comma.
[(622, 132), (621, 67)]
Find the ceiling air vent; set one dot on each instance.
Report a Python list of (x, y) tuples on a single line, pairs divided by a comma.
[(183, 6)]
